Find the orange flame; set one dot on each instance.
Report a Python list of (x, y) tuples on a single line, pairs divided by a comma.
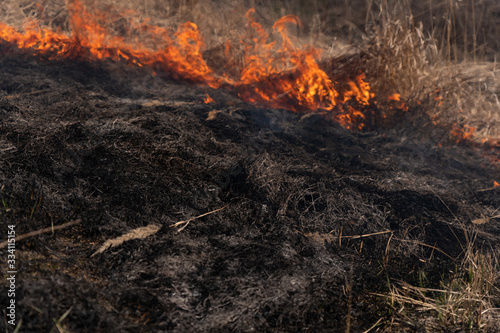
[(275, 73), (180, 55), (266, 62), (462, 133), (395, 97), (280, 75), (208, 99), (496, 184)]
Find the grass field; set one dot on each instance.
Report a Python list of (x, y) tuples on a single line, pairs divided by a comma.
[(439, 56)]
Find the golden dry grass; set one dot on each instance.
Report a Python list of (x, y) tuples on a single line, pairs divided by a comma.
[(466, 299), (403, 56)]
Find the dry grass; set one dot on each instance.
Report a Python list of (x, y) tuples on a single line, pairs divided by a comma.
[(466, 299), (399, 56), (138, 233), (405, 56)]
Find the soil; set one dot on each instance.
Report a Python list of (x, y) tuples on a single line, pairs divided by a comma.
[(120, 148)]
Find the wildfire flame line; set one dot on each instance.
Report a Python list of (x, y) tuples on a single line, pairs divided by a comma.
[(275, 73)]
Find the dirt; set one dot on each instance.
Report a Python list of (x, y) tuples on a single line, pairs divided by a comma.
[(121, 148)]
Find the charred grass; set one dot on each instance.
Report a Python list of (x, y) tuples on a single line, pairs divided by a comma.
[(325, 229)]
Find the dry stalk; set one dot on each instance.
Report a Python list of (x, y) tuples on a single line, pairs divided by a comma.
[(186, 222), (27, 94), (426, 245), (143, 232), (489, 189), (349, 301), (41, 231), (330, 237)]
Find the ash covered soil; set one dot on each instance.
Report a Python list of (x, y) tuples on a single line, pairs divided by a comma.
[(119, 148)]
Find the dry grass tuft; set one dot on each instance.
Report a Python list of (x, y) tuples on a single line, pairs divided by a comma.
[(467, 299), (399, 54), (470, 97), (404, 56)]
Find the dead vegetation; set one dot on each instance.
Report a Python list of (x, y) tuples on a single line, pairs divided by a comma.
[(425, 66), (306, 194), (467, 297)]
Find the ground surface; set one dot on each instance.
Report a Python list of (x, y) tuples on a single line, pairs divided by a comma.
[(120, 148)]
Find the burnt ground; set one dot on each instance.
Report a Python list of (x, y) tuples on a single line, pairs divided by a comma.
[(120, 148)]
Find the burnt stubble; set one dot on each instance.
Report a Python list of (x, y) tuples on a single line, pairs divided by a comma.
[(120, 148)]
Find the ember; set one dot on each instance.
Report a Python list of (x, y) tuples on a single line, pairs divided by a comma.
[(395, 97), (462, 133), (208, 99)]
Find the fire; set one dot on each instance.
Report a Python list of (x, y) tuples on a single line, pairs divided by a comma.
[(176, 53), (402, 106), (462, 133), (275, 72), (496, 184), (280, 75), (208, 99), (395, 97)]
